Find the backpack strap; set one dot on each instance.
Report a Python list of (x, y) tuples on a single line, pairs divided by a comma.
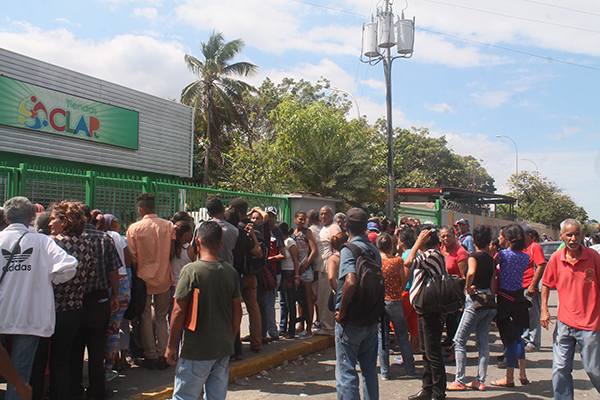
[(357, 251)]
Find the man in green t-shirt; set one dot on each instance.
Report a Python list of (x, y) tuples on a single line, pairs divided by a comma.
[(209, 286)]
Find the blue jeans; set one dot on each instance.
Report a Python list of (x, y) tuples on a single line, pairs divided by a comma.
[(268, 322), (23, 353), (533, 336), (395, 314), (478, 321), (191, 376), (356, 344), (563, 348)]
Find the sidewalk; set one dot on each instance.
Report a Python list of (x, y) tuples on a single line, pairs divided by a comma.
[(139, 383)]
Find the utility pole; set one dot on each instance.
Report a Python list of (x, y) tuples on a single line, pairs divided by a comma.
[(378, 41)]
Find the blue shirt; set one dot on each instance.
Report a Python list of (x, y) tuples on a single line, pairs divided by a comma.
[(348, 263), (466, 240), (512, 267)]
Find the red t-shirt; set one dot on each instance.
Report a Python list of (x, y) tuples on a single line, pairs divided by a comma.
[(578, 288), (390, 267), (457, 255), (536, 256)]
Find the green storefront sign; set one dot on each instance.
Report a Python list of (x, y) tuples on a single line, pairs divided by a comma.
[(36, 108)]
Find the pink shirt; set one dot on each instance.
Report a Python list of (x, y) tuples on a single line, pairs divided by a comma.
[(578, 288), (149, 241)]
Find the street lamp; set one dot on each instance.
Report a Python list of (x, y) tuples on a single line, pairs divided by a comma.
[(536, 167), (328, 86), (378, 40), (516, 152)]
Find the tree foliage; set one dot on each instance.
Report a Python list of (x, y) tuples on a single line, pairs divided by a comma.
[(317, 150), (424, 161), (214, 94), (541, 200)]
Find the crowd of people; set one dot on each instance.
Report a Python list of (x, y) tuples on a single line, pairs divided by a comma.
[(502, 277), (72, 281)]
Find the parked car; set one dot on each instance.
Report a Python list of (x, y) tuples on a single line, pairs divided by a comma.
[(549, 248)]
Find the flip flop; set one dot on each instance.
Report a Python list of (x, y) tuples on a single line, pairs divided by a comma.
[(507, 384), (524, 381)]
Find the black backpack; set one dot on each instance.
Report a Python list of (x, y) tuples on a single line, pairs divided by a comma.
[(244, 262), (368, 303)]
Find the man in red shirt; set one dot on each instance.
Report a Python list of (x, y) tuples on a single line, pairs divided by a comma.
[(531, 278), (575, 274)]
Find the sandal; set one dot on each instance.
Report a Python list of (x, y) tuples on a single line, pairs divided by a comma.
[(524, 381), (454, 386), (476, 385), (506, 383)]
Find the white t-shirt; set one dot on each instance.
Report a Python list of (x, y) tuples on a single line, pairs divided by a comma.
[(26, 293), (324, 244), (318, 260), (177, 264), (121, 245), (288, 263)]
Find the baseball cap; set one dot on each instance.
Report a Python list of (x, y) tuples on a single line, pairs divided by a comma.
[(372, 226), (462, 221), (356, 216), (271, 209), (529, 229)]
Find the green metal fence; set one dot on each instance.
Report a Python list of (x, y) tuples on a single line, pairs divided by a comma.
[(116, 194)]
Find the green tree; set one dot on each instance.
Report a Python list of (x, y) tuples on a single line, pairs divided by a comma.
[(214, 94), (541, 200), (317, 150), (424, 161)]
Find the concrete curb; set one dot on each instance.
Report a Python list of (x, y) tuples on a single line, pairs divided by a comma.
[(253, 365)]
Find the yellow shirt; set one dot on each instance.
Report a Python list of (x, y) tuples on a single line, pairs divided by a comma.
[(149, 241)]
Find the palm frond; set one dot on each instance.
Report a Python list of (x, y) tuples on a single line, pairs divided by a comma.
[(194, 65), (241, 69)]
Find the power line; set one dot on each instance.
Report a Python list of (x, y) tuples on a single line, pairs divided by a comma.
[(562, 7), (331, 8), (513, 50), (512, 16), (470, 40)]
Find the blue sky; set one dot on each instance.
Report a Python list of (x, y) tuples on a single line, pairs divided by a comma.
[(527, 69)]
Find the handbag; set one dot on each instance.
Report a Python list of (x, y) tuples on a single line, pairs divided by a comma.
[(484, 301), (331, 301), (269, 278), (12, 255), (440, 294)]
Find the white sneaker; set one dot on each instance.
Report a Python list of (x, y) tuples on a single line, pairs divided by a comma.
[(323, 332), (109, 376), (305, 335)]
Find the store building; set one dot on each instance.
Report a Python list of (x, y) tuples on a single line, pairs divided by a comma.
[(53, 116)]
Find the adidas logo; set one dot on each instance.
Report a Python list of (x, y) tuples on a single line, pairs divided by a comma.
[(18, 259)]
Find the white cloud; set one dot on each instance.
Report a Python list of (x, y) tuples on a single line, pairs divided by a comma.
[(149, 12), (67, 22), (492, 99), (567, 132), (139, 62), (440, 108)]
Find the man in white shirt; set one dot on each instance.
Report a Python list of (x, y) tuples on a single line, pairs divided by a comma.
[(26, 293), (323, 239)]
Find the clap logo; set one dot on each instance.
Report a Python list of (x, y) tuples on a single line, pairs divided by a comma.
[(59, 119)]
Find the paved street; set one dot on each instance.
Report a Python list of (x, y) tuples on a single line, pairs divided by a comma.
[(313, 375)]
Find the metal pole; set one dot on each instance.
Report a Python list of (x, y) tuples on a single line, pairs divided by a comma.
[(387, 69), (527, 159), (516, 152)]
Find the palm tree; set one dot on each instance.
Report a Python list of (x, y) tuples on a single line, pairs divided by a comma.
[(214, 94)]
